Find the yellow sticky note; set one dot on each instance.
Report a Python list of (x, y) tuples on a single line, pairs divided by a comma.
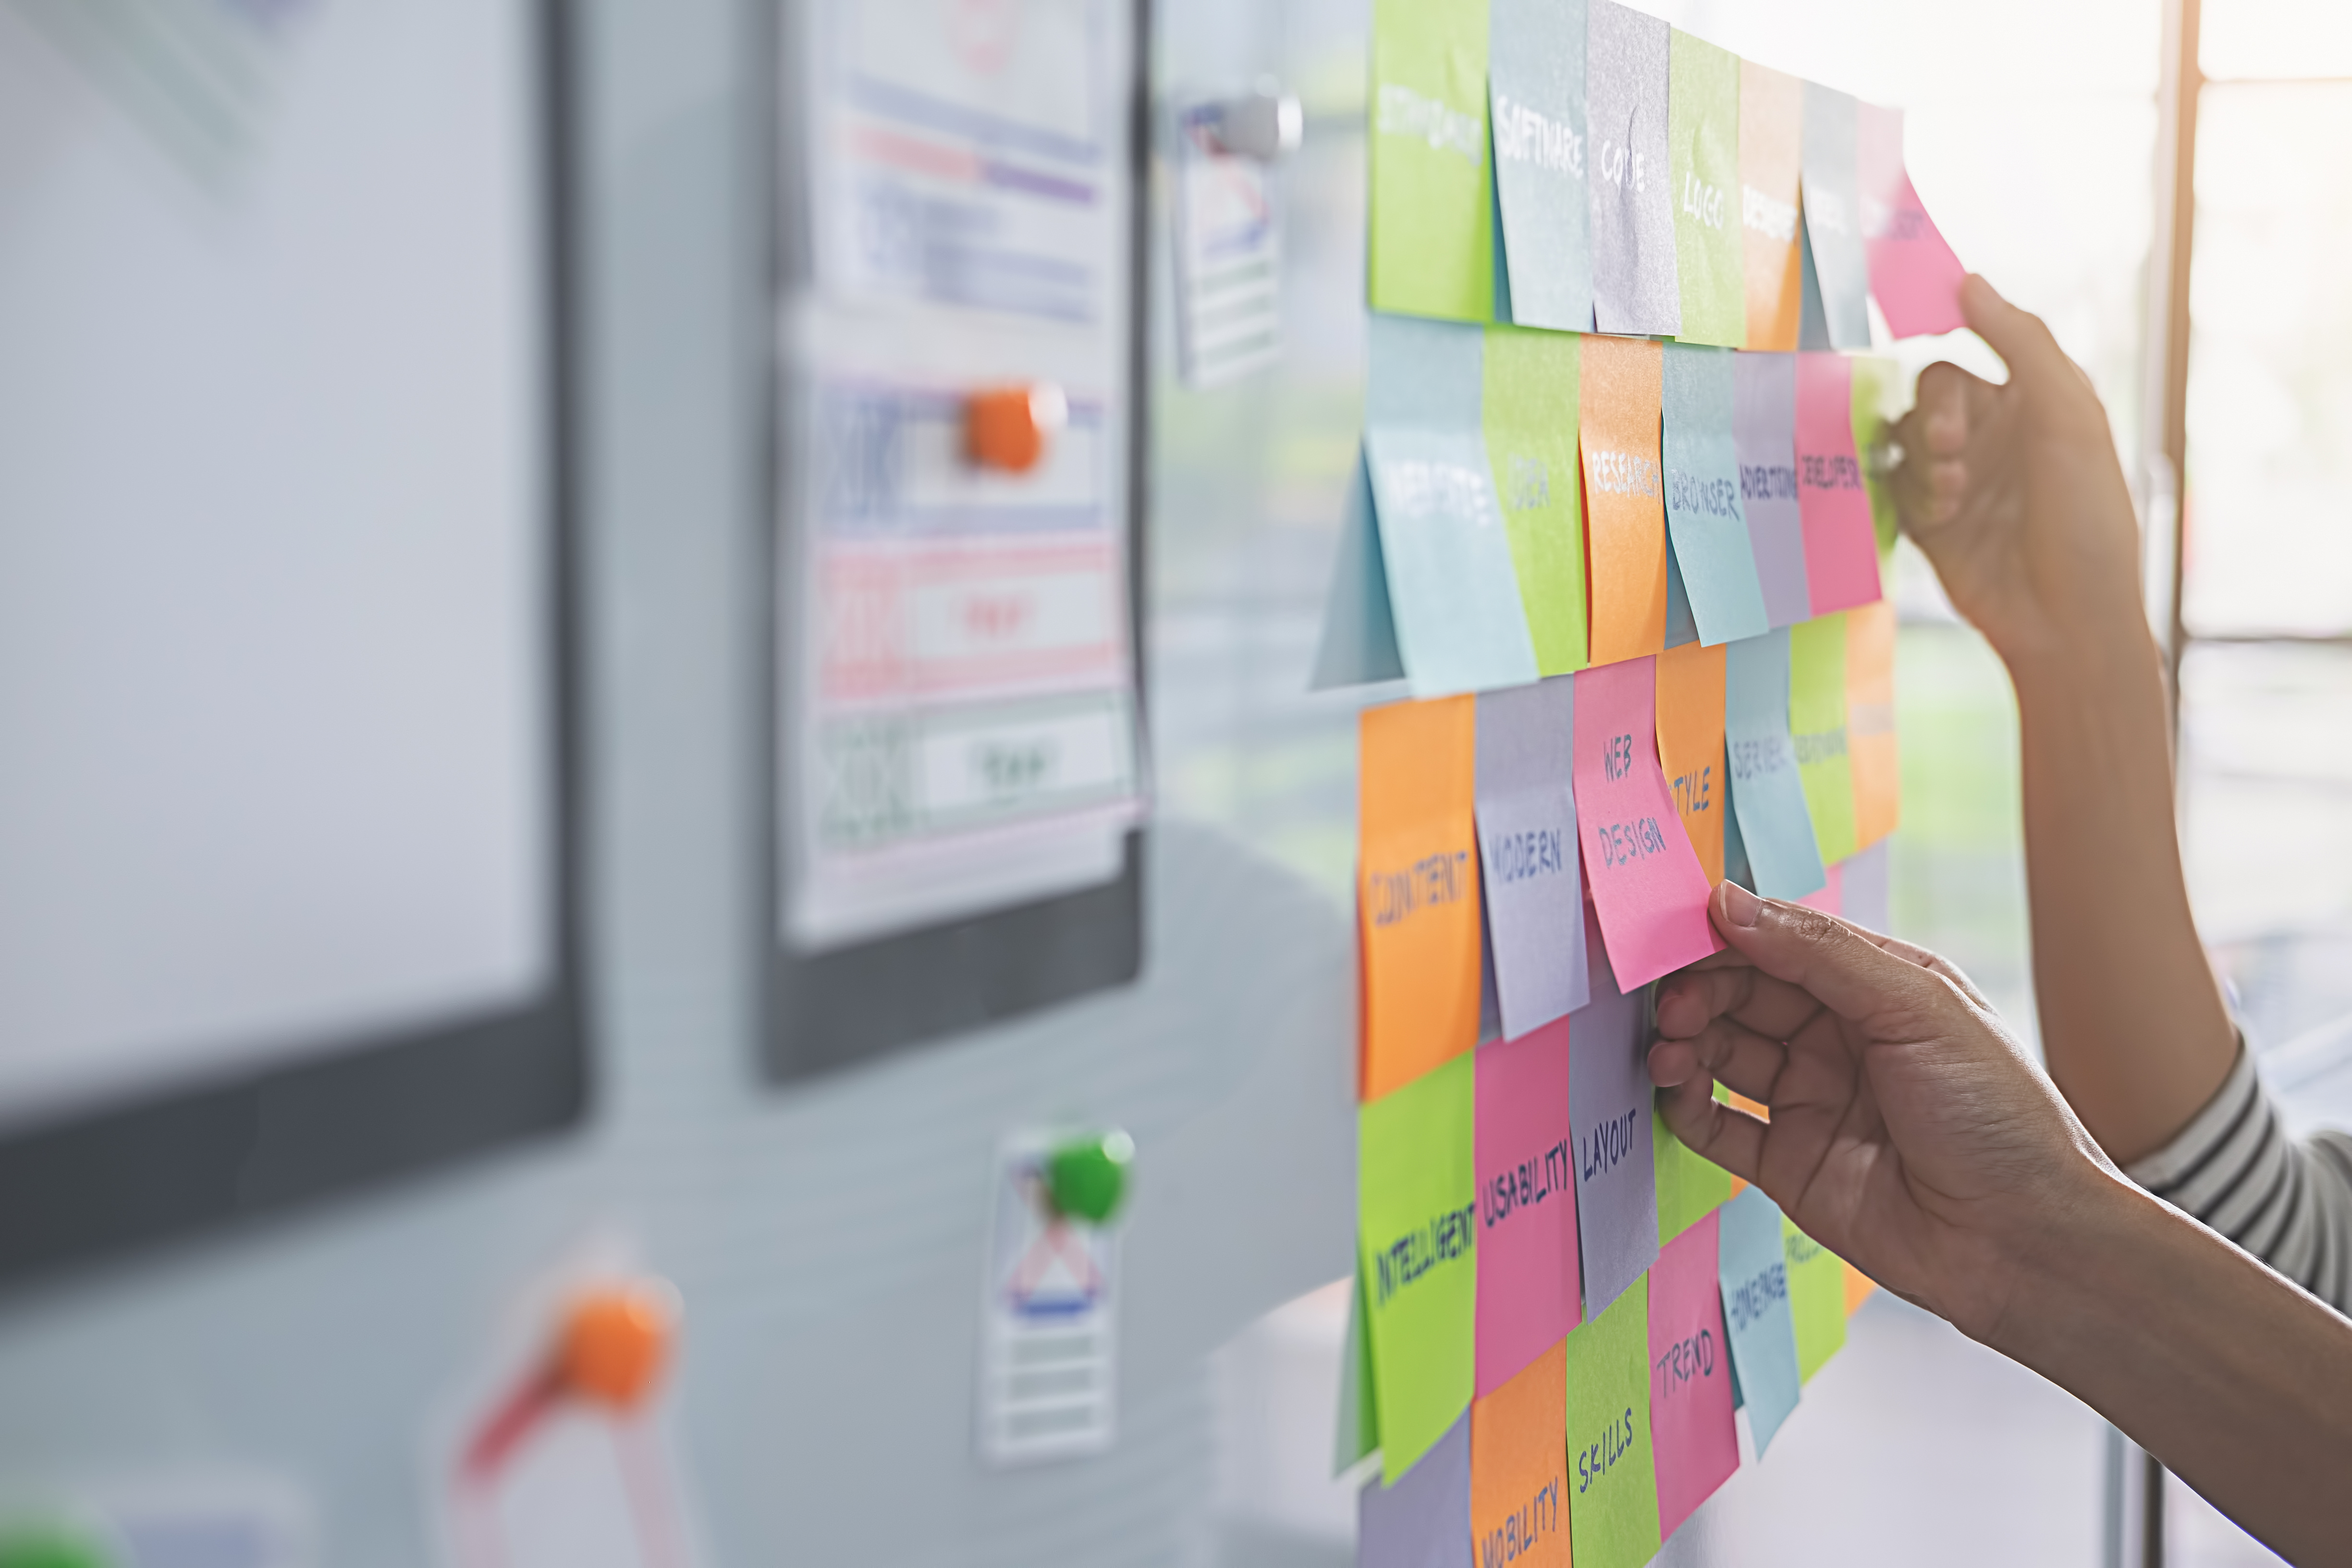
[(1518, 1468), (1690, 746), (1622, 387), (1870, 720), (1417, 888)]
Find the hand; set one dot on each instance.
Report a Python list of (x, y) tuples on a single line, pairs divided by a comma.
[(1909, 1134), (2015, 495)]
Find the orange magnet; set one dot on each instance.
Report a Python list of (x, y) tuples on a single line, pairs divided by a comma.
[(1007, 427), (616, 1343)]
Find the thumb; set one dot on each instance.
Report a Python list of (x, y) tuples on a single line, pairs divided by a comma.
[(1851, 976), (2022, 338)]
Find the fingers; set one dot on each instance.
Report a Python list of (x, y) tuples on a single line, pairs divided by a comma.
[(1852, 977), (1931, 484), (1689, 1001), (1731, 1137), (1734, 1054)]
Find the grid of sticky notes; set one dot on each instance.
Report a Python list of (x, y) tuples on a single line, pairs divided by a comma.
[(1618, 527)]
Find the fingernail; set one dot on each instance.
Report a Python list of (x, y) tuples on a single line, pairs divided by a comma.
[(1740, 905)]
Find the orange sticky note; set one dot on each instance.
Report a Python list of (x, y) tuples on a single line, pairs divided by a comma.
[(1624, 497), (1417, 888), (1870, 720), (1754, 1108), (1690, 746), (1858, 1287), (1771, 130), (1518, 1468)]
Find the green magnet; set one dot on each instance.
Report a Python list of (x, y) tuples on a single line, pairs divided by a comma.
[(1087, 1178)]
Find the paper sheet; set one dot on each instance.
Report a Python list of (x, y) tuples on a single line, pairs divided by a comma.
[(1535, 69), (1771, 117), (1817, 729), (1417, 1212), (1767, 792), (1443, 548), (1912, 269), (1764, 430), (1816, 1298), (1609, 1104), (1625, 513), (1833, 217), (1705, 516), (1627, 62), (1647, 881), (1690, 748), (1527, 1269), (1518, 1480), (1841, 536), (1690, 1187), (1421, 1520), (1611, 1466), (1690, 1376), (1753, 1271), (1870, 721), (1881, 397), (1228, 255), (1359, 644), (1530, 414), (1432, 246), (1417, 888), (1703, 167), (1527, 837)]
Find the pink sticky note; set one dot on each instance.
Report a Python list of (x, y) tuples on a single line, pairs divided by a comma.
[(1829, 896), (1690, 1375), (1528, 1294), (1841, 541), (1912, 271), (1646, 883)]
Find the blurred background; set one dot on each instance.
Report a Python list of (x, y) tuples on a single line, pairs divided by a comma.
[(399, 423)]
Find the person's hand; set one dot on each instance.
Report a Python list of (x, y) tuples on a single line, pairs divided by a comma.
[(2015, 495), (1910, 1134)]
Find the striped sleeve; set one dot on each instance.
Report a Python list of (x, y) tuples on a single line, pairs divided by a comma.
[(2289, 1204)]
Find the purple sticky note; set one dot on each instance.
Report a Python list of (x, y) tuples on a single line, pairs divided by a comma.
[(1865, 894), (1423, 1520), (1697, 1445), (1527, 844), (1528, 1297), (1764, 428), (1609, 1100)]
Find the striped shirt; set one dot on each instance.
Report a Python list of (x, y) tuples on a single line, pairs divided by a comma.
[(2289, 1204)]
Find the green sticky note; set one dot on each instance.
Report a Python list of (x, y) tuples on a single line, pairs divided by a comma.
[(1416, 1203), (1612, 1479), (1703, 176), (1433, 203), (1817, 725), (1816, 1298), (1877, 403), (1358, 1433), (1529, 414), (1689, 1187)]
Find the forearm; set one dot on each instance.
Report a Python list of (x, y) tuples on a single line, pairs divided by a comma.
[(2238, 1382), (2133, 1025)]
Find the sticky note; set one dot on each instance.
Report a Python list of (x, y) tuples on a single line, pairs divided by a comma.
[(1627, 66), (1680, 628), (1912, 269), (1356, 1432), (1421, 1520), (1833, 215), (1417, 1210), (1753, 1271), (1534, 67), (1813, 320), (1625, 515), (1870, 720), (1818, 730), (1609, 1104), (1816, 1298), (1703, 173), (1829, 896), (1612, 1508), (1528, 1268), (1444, 549), (1771, 117), (1764, 432), (1867, 875), (1690, 1187), (1527, 841), (1358, 642), (1767, 792), (1705, 517), (1518, 1476), (1841, 538), (1690, 747), (1530, 414), (1417, 886), (1431, 243), (1646, 880), (1736, 868), (1858, 1287), (1879, 399), (1690, 1376)]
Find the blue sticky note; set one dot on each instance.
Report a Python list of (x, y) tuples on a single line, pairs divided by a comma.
[(1832, 194), (1451, 589), (1531, 878), (1754, 1275), (1705, 517), (1608, 1103), (1423, 1520), (1764, 434), (1535, 72), (1359, 644), (1767, 794)]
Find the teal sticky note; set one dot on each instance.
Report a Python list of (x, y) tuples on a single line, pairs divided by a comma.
[(1535, 68), (1706, 517), (1753, 1271), (1359, 644), (1832, 194), (1432, 241), (1767, 793), (1445, 551)]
